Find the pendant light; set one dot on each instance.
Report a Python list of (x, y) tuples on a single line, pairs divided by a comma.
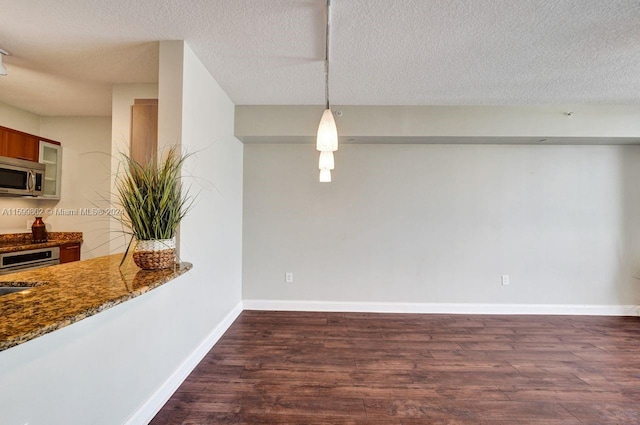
[(326, 160), (325, 176), (327, 140), (3, 70), (327, 132)]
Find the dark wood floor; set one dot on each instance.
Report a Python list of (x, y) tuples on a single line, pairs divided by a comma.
[(351, 368)]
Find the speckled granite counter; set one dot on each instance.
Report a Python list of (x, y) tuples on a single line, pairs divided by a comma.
[(13, 242), (66, 293)]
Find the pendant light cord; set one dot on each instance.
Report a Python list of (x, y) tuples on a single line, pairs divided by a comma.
[(326, 57)]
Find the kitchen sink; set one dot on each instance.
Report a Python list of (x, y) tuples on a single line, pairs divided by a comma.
[(14, 287), (5, 290)]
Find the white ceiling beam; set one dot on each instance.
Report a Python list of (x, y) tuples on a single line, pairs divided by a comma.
[(444, 124)]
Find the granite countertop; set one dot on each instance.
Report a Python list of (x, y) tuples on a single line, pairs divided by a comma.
[(66, 293), (14, 242)]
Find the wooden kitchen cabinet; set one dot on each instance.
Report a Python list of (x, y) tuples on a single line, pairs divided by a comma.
[(69, 252), (19, 145), (3, 145)]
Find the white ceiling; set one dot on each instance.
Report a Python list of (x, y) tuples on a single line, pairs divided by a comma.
[(67, 53)]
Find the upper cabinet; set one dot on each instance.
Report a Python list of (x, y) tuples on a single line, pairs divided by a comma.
[(51, 156), (20, 145), (16, 144)]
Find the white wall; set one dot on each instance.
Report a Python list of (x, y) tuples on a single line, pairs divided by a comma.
[(212, 236), (86, 178), (441, 224), (19, 119), (101, 370)]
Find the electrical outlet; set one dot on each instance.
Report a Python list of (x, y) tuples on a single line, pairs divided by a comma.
[(29, 224), (505, 279), (288, 277)]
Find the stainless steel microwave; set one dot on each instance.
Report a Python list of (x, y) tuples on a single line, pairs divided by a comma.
[(21, 178)]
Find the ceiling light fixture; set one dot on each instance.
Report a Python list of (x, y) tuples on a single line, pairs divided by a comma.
[(325, 176), (326, 160), (327, 141), (3, 70)]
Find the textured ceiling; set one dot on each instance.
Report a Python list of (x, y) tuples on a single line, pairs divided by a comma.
[(66, 53)]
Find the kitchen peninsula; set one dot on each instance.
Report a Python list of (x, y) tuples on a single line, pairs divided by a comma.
[(64, 294), (14, 242)]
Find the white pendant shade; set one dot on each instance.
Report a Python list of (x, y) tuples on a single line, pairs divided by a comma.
[(327, 133), (325, 176), (326, 161)]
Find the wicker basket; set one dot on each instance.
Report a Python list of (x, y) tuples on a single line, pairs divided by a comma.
[(155, 254)]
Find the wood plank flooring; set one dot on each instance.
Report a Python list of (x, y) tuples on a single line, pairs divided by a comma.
[(407, 369)]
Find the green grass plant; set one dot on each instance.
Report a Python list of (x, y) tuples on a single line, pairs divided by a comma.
[(152, 196)]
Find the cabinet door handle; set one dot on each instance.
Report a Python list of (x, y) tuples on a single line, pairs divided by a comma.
[(72, 247)]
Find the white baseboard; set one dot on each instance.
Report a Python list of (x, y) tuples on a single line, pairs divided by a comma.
[(442, 308), (154, 403)]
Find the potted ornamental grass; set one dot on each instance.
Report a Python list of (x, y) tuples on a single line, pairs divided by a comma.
[(153, 202)]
